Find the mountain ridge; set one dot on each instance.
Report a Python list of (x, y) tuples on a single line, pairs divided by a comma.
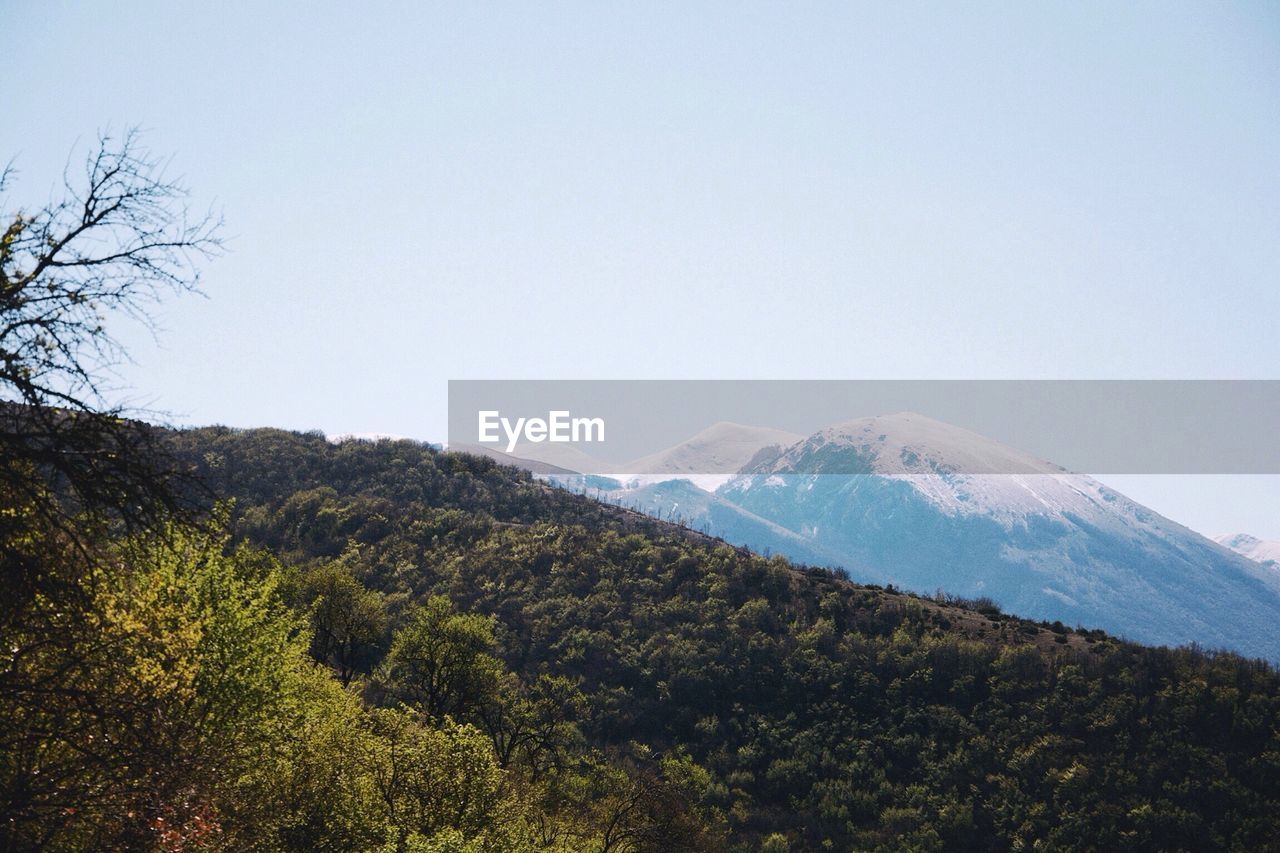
[(820, 713), (912, 501), (1258, 550)]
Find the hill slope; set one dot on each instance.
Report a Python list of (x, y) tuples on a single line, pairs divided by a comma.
[(820, 711)]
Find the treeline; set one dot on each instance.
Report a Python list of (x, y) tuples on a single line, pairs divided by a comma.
[(166, 689), (379, 646), (162, 687), (260, 640), (772, 707)]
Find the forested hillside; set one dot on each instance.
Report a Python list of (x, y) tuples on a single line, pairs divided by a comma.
[(261, 640), (742, 702)]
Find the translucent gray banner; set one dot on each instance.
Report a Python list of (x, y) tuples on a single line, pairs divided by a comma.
[(660, 427)]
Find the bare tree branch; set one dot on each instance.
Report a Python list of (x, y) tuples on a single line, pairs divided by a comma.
[(119, 239)]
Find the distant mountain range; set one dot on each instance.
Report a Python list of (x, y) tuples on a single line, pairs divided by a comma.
[(924, 505)]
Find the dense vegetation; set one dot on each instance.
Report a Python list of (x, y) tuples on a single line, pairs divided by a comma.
[(264, 641), (158, 687), (803, 710), (380, 646)]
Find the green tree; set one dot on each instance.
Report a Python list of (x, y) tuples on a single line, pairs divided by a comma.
[(533, 723), (435, 779), (71, 468), (637, 806), (127, 725), (440, 660), (347, 619)]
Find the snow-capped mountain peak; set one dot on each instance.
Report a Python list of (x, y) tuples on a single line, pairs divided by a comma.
[(907, 443), (910, 500), (959, 471)]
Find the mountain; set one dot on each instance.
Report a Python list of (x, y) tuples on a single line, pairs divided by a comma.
[(722, 448), (1259, 550), (924, 505), (708, 458), (776, 706), (683, 502)]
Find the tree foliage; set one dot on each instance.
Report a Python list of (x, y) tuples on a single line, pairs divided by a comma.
[(439, 660), (819, 711), (377, 646)]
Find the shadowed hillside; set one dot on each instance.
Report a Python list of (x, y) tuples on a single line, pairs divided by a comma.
[(822, 713)]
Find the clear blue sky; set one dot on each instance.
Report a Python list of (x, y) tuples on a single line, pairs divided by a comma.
[(418, 192)]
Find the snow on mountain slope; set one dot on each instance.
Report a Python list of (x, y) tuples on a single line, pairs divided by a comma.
[(681, 501), (912, 501), (722, 448), (1252, 547), (960, 471)]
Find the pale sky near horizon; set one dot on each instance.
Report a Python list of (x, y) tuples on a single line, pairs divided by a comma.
[(418, 192)]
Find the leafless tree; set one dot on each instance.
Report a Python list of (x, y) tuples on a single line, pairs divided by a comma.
[(119, 238)]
